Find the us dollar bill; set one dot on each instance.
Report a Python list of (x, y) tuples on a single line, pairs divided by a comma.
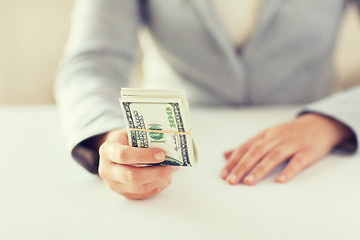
[(160, 119)]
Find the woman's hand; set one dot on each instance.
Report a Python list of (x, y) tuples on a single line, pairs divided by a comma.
[(302, 141), (123, 167)]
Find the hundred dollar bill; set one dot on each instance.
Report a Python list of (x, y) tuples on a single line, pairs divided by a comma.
[(160, 119)]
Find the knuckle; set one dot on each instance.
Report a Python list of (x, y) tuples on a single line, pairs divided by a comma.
[(129, 176), (242, 148), (281, 131), (290, 170), (141, 189), (300, 161), (310, 150), (102, 149), (245, 166), (239, 150), (276, 131), (144, 188), (133, 177), (242, 168), (260, 169), (227, 169), (141, 154), (297, 164), (231, 162), (276, 154), (257, 149)]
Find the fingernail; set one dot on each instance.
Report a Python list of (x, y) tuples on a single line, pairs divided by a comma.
[(232, 178), (224, 173), (249, 179), (159, 156), (281, 178)]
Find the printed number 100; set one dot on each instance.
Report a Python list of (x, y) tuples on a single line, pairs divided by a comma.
[(170, 117)]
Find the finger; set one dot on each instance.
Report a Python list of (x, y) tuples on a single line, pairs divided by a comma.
[(119, 136), (139, 175), (148, 187), (145, 188), (298, 162), (236, 155), (275, 157), (157, 190), (122, 188), (251, 158), (123, 154), (228, 153)]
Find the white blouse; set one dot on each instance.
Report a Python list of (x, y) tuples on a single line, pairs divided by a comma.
[(239, 18)]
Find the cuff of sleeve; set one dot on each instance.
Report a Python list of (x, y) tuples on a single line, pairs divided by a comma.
[(86, 156)]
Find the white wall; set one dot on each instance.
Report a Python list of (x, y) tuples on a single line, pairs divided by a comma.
[(347, 55), (33, 32), (32, 35)]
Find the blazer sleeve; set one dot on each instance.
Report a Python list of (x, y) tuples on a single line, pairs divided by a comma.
[(343, 107), (97, 62)]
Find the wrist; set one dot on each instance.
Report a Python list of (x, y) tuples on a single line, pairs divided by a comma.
[(336, 129)]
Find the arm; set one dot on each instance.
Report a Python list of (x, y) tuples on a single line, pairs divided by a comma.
[(98, 61), (320, 127), (333, 122)]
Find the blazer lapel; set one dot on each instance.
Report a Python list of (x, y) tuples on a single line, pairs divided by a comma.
[(208, 17), (267, 12), (213, 24)]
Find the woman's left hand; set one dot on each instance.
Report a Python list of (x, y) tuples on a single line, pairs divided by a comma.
[(302, 141)]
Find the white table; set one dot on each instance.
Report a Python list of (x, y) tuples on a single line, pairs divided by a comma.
[(46, 195)]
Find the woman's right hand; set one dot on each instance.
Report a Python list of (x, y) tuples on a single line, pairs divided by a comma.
[(124, 169)]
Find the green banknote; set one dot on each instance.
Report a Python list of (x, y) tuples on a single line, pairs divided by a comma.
[(160, 119)]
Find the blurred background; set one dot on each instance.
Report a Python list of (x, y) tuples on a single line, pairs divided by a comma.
[(33, 34)]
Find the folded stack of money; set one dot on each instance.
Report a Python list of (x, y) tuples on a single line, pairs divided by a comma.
[(159, 118)]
